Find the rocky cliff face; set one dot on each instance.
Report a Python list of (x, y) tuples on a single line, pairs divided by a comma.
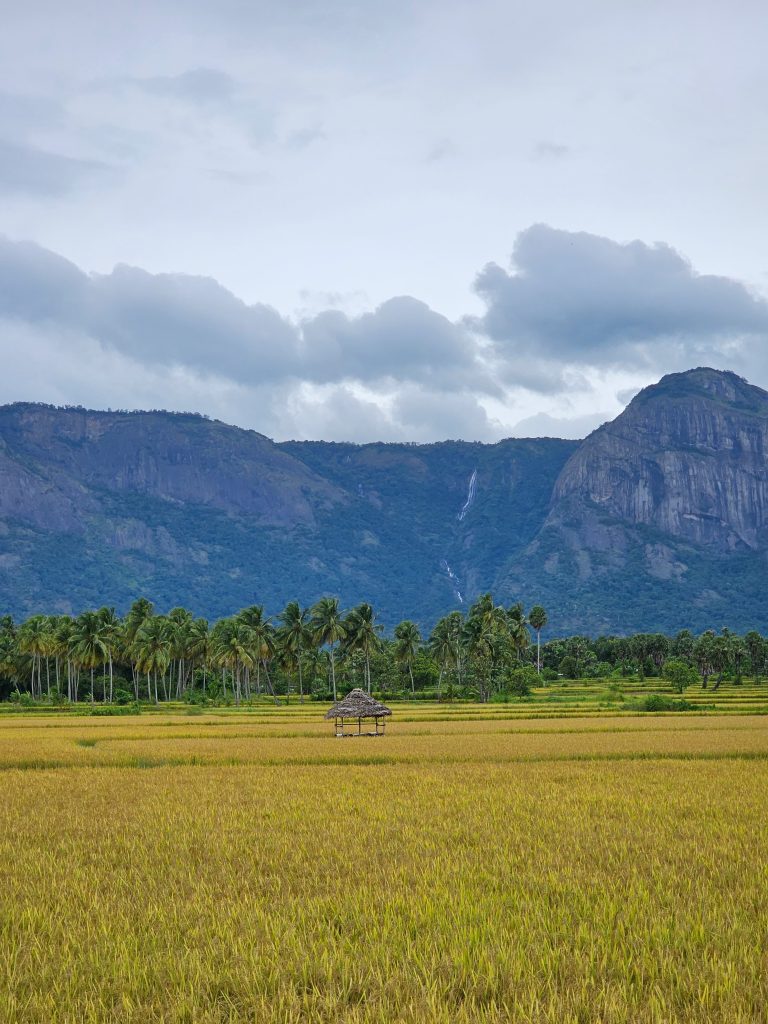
[(656, 521), (57, 461), (100, 507), (687, 457)]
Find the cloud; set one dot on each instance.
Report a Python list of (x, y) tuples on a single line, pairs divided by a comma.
[(402, 339), (442, 149), (579, 321), (26, 169), (543, 425), (582, 299), (551, 151), (38, 285), (302, 138), (21, 113), (426, 414), (199, 86), (177, 320)]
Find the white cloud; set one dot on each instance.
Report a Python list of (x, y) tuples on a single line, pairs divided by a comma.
[(581, 324)]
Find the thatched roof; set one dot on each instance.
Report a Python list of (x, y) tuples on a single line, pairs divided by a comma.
[(357, 704)]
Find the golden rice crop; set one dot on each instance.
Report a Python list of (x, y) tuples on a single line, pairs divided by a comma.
[(137, 741), (481, 873)]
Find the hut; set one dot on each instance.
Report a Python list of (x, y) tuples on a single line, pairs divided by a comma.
[(361, 706)]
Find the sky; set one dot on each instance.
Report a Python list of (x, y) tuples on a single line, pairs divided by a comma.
[(349, 220)]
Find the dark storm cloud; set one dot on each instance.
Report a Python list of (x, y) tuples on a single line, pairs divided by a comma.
[(26, 169), (588, 300)]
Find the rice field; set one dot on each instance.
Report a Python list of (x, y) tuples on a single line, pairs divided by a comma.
[(474, 865)]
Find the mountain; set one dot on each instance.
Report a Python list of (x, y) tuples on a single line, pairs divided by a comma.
[(657, 520), (660, 518)]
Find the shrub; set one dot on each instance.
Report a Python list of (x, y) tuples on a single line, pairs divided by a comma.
[(520, 680), (568, 667), (679, 673), (658, 702)]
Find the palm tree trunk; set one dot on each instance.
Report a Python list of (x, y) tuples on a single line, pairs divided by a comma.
[(269, 683), (538, 651), (92, 698), (301, 682), (410, 673), (333, 674)]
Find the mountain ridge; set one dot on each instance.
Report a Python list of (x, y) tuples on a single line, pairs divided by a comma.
[(666, 507)]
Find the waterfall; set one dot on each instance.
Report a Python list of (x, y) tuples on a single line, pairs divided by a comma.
[(454, 580), (470, 496)]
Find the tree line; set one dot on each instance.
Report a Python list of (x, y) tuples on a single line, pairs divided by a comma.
[(322, 651)]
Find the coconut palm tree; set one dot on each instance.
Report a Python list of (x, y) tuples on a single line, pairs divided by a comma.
[(327, 630), (234, 649), (362, 634), (140, 611), (199, 647), (293, 637), (482, 638), (263, 639), (112, 638), (9, 656), (517, 626), (537, 617), (62, 651), (35, 640), (181, 624), (89, 643), (443, 648), (152, 649), (407, 642), (486, 638)]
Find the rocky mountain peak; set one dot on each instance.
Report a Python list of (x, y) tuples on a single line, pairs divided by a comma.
[(705, 383), (687, 456)]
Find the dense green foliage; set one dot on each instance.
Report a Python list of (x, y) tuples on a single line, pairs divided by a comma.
[(322, 651)]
